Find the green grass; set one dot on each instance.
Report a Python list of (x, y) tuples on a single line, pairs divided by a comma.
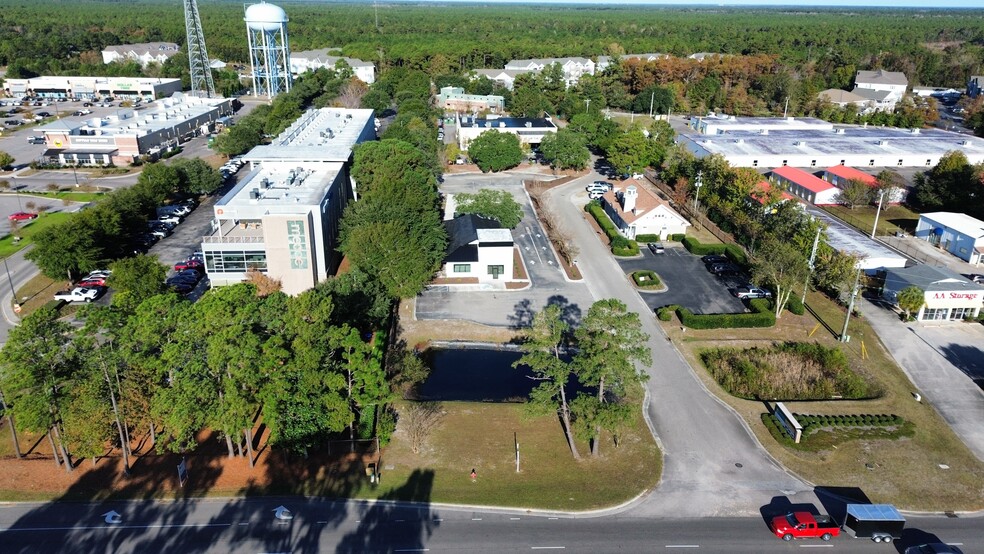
[(63, 195), (890, 220), (818, 439), (9, 247), (480, 436)]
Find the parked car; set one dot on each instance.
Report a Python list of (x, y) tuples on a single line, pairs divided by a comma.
[(594, 195), (78, 294), (22, 216), (159, 233), (749, 292), (169, 218), (92, 283), (722, 270), (196, 265), (655, 247), (977, 278), (933, 548), (35, 140), (715, 259)]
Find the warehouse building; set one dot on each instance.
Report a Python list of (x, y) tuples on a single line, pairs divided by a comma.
[(840, 175), (128, 134), (810, 143), (282, 219), (87, 88), (948, 296), (805, 185), (958, 234)]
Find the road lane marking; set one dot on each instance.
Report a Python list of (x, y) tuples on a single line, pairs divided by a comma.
[(514, 518), (816, 546), (553, 518), (476, 519), (412, 550), (244, 523), (115, 527), (547, 547), (682, 546)]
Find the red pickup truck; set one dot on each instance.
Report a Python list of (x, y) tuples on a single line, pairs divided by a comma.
[(802, 525)]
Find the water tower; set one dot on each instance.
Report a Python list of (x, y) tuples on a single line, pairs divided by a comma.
[(269, 53)]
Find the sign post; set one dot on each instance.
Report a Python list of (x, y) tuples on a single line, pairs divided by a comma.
[(788, 422), (182, 472)]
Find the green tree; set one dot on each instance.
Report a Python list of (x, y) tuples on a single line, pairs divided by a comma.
[(495, 151), (158, 181), (853, 193), (136, 279), (541, 349), (782, 265), (6, 160), (654, 99), (630, 152), (388, 161), (911, 300), (610, 344), (36, 373), (565, 149), (491, 203), (241, 137), (196, 176), (365, 379), (68, 249), (402, 256)]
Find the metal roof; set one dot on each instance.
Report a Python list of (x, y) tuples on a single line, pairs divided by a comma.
[(881, 77), (961, 223)]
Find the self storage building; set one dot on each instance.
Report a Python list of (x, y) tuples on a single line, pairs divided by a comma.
[(948, 295)]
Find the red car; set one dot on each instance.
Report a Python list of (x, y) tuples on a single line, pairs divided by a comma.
[(92, 283), (189, 264), (22, 216)]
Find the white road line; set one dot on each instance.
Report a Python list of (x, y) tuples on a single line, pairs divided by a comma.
[(322, 522), (553, 518), (547, 547), (682, 546), (412, 550), (476, 519), (115, 527), (816, 546), (514, 518), (244, 523)]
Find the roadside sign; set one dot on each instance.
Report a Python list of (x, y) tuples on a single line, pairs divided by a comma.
[(17, 308), (182, 472)]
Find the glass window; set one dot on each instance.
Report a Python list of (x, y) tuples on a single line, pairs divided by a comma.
[(235, 261), (935, 314), (462, 268), (784, 162), (871, 162), (900, 163), (813, 163), (960, 313), (496, 270)]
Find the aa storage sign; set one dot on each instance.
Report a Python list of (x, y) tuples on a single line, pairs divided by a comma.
[(297, 244)]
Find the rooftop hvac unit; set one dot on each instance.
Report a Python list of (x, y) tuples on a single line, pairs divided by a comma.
[(265, 183), (529, 124), (914, 131), (840, 131), (764, 132), (965, 143), (739, 141), (348, 116), (254, 194), (799, 143), (883, 143)]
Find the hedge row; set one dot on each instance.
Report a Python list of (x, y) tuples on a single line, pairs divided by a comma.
[(698, 248), (648, 238), (620, 245), (795, 305), (852, 420), (761, 316), (646, 278)]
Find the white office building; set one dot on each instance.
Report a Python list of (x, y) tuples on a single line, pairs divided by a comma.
[(282, 219), (529, 130), (958, 234), (947, 295), (309, 60), (144, 53)]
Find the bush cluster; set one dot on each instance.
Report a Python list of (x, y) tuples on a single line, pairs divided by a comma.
[(850, 420), (697, 248), (666, 312), (646, 278), (647, 238), (678, 237), (620, 245), (795, 305), (761, 316)]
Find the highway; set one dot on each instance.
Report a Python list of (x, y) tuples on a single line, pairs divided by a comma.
[(252, 525)]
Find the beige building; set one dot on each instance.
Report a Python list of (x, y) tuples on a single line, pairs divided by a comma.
[(123, 88), (454, 99), (636, 211), (282, 219), (144, 53)]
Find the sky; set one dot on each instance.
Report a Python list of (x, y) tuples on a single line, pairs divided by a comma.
[(727, 3)]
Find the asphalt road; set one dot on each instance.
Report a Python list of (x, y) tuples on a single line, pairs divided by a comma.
[(688, 283), (251, 525)]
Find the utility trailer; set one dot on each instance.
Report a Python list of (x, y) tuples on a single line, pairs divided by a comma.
[(878, 522)]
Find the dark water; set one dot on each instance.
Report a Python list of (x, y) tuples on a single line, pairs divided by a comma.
[(477, 375)]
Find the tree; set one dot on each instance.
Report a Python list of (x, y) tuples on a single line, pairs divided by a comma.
[(654, 99), (495, 151), (782, 265), (565, 149), (36, 372), (493, 204), (6, 160), (196, 176), (911, 299), (853, 193), (376, 100), (541, 353), (158, 181), (136, 279), (610, 342), (68, 249), (630, 152), (391, 160), (420, 419)]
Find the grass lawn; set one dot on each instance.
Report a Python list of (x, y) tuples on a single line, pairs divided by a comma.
[(39, 291), (72, 195), (480, 436), (890, 220), (7, 244), (905, 471)]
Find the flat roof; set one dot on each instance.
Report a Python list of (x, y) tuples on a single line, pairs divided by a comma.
[(849, 240), (875, 511), (841, 140), (851, 173), (962, 223), (930, 278), (162, 114), (326, 134), (281, 188), (507, 122)]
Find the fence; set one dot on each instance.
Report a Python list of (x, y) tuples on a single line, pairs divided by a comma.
[(686, 210)]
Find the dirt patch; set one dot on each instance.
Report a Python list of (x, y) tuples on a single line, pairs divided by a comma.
[(455, 281), (418, 333), (519, 268)]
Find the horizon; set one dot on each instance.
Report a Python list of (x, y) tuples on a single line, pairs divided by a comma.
[(856, 4)]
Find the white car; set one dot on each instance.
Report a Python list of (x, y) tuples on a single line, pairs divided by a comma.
[(170, 218), (78, 294), (595, 195)]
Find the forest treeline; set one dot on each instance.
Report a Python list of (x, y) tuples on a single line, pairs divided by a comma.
[(933, 47)]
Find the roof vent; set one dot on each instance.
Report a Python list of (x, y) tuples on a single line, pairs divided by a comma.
[(841, 131), (764, 132), (739, 141), (254, 194), (965, 143), (799, 143), (883, 142), (914, 131)]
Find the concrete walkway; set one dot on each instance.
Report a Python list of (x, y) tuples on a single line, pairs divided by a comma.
[(942, 361)]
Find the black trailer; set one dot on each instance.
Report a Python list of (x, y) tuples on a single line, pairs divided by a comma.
[(878, 522)]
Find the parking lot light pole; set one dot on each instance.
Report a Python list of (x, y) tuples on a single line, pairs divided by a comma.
[(698, 183), (850, 307), (813, 257), (881, 196)]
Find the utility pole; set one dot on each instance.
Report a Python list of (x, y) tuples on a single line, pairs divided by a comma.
[(850, 307), (698, 183), (881, 196), (786, 109), (652, 98), (587, 105), (813, 257)]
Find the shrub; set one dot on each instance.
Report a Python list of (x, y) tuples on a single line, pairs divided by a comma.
[(666, 312), (698, 248), (795, 305), (646, 278), (678, 237), (620, 245), (647, 238), (761, 316)]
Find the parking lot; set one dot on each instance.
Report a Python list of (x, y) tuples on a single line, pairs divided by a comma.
[(688, 282)]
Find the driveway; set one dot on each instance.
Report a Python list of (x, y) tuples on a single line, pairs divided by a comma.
[(548, 283), (943, 361), (687, 280), (712, 464)]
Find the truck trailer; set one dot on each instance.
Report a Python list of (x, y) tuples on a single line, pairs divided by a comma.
[(878, 522)]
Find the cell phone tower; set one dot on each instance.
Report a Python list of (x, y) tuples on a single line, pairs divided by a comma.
[(269, 51), (201, 72)]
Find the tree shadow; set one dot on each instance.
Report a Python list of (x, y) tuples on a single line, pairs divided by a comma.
[(388, 526), (968, 359), (569, 313), (522, 316)]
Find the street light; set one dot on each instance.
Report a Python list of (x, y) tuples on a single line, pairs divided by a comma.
[(698, 183), (850, 307), (881, 196)]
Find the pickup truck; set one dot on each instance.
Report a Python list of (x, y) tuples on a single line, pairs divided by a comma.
[(78, 294), (804, 525)]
